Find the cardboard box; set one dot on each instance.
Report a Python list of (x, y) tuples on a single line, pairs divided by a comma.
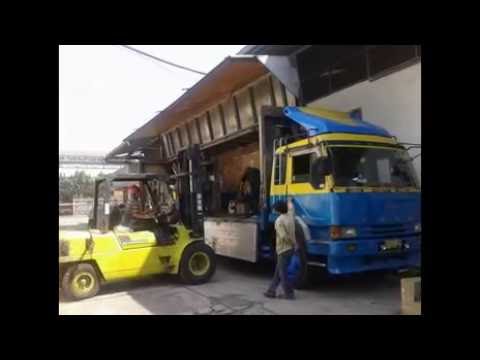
[(411, 296)]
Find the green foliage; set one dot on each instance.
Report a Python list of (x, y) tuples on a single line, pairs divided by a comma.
[(80, 184)]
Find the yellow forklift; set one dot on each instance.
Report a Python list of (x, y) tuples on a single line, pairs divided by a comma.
[(110, 252)]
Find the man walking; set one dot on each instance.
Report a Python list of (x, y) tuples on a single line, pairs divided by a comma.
[(285, 247)]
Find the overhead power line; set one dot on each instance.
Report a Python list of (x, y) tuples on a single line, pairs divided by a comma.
[(163, 61)]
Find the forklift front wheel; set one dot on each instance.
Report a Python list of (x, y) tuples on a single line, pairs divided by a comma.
[(198, 264)]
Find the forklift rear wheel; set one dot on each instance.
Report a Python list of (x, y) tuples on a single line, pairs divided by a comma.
[(198, 264), (80, 281)]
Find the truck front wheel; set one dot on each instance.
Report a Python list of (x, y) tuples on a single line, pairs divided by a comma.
[(297, 270), (80, 281)]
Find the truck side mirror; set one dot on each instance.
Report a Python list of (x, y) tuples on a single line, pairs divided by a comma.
[(321, 167)]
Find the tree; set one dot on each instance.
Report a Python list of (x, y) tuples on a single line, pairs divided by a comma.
[(80, 184), (65, 189)]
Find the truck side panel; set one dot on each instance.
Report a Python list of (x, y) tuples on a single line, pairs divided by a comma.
[(235, 238)]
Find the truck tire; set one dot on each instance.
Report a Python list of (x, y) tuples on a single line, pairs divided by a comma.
[(297, 270), (80, 281), (198, 264)]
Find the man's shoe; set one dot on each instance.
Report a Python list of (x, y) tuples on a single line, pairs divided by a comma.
[(269, 295)]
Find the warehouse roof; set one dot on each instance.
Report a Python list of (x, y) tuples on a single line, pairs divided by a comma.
[(275, 50), (230, 75)]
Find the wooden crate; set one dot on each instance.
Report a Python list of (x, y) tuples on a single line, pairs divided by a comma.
[(233, 163), (411, 296)]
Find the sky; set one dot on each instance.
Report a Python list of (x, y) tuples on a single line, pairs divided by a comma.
[(107, 91)]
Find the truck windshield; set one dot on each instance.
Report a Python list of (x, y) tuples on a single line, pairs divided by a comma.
[(374, 167)]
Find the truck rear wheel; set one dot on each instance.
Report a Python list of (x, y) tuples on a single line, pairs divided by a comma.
[(80, 281), (198, 264)]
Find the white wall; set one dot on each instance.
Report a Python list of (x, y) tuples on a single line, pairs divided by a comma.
[(393, 102)]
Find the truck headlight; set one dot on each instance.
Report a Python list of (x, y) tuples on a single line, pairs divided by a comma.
[(418, 228), (338, 232)]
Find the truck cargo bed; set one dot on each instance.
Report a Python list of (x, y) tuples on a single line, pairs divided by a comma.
[(233, 236)]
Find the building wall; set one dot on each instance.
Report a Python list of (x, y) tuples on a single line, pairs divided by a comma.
[(393, 102)]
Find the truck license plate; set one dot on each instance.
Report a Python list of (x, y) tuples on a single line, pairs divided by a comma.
[(393, 244)]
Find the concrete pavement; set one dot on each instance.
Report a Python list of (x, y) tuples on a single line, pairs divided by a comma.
[(237, 289)]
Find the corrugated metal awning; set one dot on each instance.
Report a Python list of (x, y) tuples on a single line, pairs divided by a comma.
[(276, 50), (230, 75)]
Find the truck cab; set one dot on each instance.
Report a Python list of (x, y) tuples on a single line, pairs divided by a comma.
[(354, 192)]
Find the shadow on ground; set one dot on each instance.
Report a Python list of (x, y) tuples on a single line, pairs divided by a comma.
[(132, 286), (187, 300), (167, 294), (318, 280)]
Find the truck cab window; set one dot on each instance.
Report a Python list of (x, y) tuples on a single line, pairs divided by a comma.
[(280, 167), (301, 168), (371, 167)]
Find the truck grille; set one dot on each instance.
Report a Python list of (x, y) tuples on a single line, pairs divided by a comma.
[(388, 229)]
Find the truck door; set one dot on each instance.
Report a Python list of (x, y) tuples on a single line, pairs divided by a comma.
[(308, 201), (298, 174)]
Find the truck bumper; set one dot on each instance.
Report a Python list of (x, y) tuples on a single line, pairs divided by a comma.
[(350, 256)]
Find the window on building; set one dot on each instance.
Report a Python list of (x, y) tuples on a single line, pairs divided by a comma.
[(348, 72), (301, 168), (315, 65), (280, 166), (324, 70), (316, 87), (384, 59)]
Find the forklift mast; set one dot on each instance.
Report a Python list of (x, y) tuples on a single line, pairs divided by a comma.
[(189, 182)]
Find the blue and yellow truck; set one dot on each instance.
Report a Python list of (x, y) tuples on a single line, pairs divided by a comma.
[(351, 186)]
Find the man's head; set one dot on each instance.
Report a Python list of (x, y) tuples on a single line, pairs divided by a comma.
[(133, 192), (281, 207)]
